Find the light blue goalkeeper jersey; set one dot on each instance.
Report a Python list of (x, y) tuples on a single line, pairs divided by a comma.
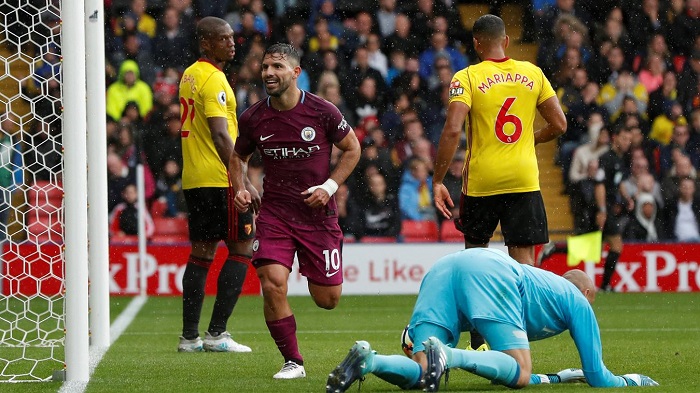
[(483, 283)]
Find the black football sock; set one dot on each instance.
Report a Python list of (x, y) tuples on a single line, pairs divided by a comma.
[(609, 268), (229, 287), (193, 281), (477, 339)]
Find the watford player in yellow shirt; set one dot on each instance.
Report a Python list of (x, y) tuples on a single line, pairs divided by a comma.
[(209, 129), (496, 102)]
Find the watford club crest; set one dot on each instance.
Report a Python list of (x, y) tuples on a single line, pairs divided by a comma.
[(456, 88)]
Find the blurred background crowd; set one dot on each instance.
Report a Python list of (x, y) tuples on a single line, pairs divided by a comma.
[(627, 74)]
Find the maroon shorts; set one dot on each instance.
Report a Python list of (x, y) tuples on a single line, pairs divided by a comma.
[(319, 248)]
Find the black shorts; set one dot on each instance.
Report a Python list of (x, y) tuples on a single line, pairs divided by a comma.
[(213, 217), (522, 217)]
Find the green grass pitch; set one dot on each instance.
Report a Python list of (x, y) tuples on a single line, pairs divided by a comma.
[(653, 334)]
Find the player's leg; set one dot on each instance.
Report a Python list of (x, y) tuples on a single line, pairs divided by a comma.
[(523, 223), (398, 370), (197, 268), (239, 242), (273, 257), (612, 234), (362, 360), (510, 367), (193, 282), (320, 254), (478, 220)]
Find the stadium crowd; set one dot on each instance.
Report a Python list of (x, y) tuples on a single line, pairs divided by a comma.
[(387, 66)]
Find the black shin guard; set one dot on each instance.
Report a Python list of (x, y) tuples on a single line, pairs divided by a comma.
[(609, 269)]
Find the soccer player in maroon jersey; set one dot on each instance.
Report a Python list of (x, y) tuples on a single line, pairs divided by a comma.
[(295, 132)]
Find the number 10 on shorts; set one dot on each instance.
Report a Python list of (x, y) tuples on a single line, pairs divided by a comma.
[(332, 261)]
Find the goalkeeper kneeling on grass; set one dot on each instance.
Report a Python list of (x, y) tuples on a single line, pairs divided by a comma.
[(510, 304)]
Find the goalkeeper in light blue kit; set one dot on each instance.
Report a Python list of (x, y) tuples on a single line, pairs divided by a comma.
[(510, 304)]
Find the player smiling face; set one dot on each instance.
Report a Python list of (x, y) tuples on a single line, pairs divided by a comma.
[(278, 72)]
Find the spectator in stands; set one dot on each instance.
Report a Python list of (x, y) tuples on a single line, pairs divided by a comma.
[(610, 64), (578, 101), (685, 28), (322, 39), (402, 150), (439, 46), (377, 59), (403, 38), (453, 180), (332, 93), (379, 216), (663, 126), (397, 65), (215, 8), (373, 155), (326, 9), (613, 30), (664, 96), (416, 192), (641, 181), (246, 36), (42, 153), (10, 166), (648, 22), (386, 17), (169, 187), (670, 185), (134, 48), (391, 118), (347, 217), (551, 14), (611, 209), (618, 88), (682, 214), (124, 218), (128, 88), (580, 178), (652, 75), (361, 69), (688, 78), (118, 177), (645, 225), (678, 144), (171, 44)]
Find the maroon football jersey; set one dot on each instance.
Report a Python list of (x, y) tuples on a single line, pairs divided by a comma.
[(295, 146)]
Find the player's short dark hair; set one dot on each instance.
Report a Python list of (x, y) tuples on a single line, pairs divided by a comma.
[(489, 26), (208, 26), (285, 50)]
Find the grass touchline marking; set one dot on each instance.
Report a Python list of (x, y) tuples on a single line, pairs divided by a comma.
[(96, 353)]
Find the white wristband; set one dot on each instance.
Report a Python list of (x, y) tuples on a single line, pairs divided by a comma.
[(329, 186)]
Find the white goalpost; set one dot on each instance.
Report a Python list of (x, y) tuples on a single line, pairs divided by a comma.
[(54, 271)]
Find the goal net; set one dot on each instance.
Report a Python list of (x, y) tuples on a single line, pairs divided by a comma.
[(31, 192)]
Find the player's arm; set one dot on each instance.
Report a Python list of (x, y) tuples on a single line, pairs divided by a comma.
[(218, 127), (449, 141), (586, 334), (247, 196), (556, 121), (350, 156)]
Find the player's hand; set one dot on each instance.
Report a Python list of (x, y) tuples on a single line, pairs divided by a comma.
[(571, 375), (639, 380), (443, 202), (318, 197), (242, 201), (255, 199)]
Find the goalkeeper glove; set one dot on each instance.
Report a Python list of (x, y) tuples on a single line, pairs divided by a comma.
[(639, 380)]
